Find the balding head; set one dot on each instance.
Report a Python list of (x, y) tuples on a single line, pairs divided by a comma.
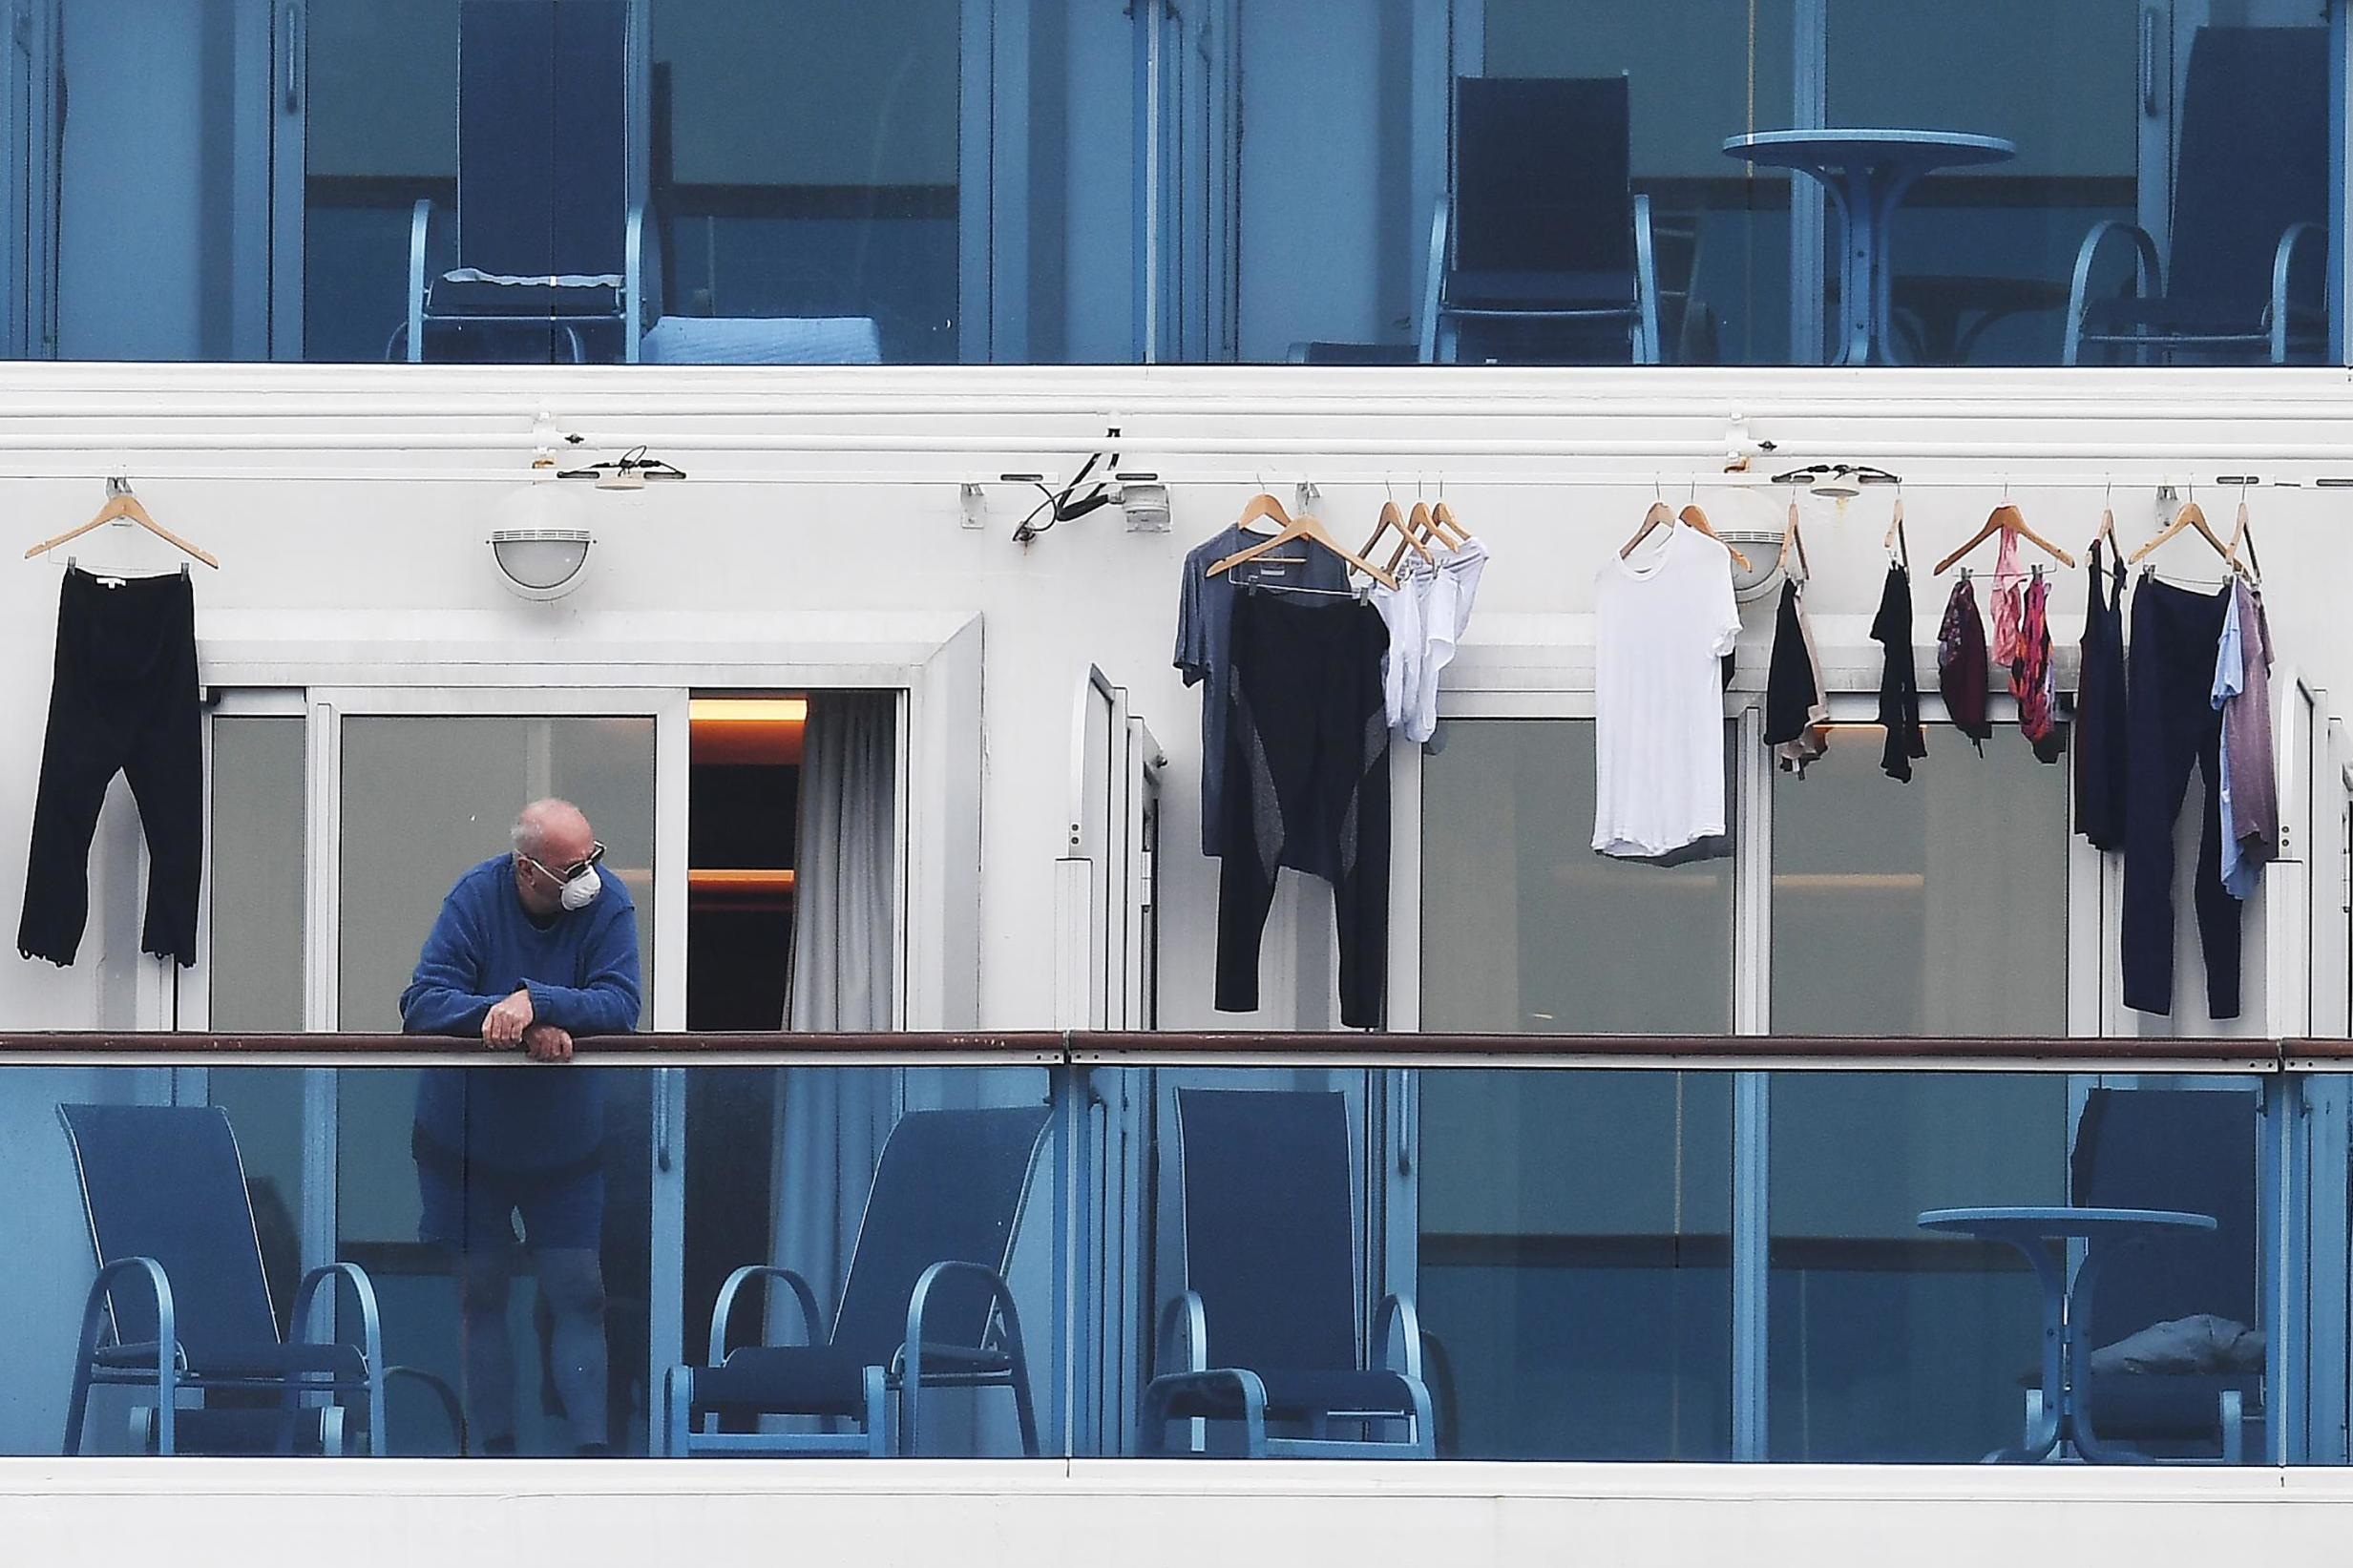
[(552, 831)]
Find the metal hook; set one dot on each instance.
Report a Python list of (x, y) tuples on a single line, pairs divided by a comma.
[(118, 485)]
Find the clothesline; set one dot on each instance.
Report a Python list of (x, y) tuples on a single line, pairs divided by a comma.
[(1403, 484)]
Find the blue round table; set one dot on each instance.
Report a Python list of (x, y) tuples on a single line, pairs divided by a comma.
[(1866, 174), (2067, 1418)]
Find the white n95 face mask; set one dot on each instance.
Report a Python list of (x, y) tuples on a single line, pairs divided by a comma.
[(581, 890)]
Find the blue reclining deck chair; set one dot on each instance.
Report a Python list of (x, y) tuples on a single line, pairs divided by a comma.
[(2193, 1150), (181, 1302), (1542, 249), (924, 1305), (546, 258), (2250, 198), (1272, 1333)]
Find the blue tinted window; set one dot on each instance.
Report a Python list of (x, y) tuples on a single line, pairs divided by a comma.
[(1518, 181)]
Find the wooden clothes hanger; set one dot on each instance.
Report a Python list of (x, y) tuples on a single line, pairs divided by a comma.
[(2249, 568), (1421, 533), (2191, 516), (1262, 505), (2006, 518), (1651, 519), (1792, 535), (1442, 516), (1301, 527), (1896, 542), (120, 503), (2107, 523), (1692, 516), (1407, 539)]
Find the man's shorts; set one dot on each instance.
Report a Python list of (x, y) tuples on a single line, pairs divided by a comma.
[(477, 1211)]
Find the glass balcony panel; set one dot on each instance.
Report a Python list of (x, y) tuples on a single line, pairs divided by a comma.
[(857, 1179), (1981, 256), (1894, 1341), (1695, 73), (1574, 1263), (2209, 134)]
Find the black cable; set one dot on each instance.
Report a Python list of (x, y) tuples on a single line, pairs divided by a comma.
[(1061, 505)]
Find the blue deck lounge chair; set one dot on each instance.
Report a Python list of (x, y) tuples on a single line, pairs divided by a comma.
[(1272, 1334), (1541, 253), (924, 1305), (547, 251), (2177, 1297), (181, 1302), (2250, 199)]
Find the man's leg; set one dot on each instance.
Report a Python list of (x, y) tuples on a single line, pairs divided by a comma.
[(485, 1275), (572, 1283), (473, 1220), (563, 1221)]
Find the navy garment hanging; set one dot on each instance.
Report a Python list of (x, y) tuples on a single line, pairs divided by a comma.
[(2175, 728), (1898, 687), (2101, 751)]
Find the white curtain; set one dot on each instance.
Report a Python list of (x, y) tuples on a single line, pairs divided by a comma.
[(831, 1121)]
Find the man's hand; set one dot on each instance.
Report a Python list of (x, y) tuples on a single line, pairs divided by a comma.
[(505, 1022), (546, 1042)]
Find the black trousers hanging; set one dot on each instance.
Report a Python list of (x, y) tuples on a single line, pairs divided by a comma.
[(1307, 787), (125, 700), (2173, 728)]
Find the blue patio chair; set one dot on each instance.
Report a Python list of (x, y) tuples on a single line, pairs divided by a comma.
[(924, 1305), (1272, 1331), (548, 240), (2193, 1150), (1541, 249), (763, 339), (2250, 198), (181, 1302)]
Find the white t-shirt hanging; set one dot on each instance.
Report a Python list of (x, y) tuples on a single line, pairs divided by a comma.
[(1662, 619)]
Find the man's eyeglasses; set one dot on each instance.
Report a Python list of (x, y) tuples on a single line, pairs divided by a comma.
[(569, 873)]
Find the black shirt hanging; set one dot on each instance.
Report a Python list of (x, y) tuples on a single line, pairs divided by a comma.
[(1898, 687), (2100, 747)]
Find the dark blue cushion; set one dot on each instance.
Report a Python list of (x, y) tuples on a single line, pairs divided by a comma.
[(783, 1380), (2163, 1406), (1291, 1395)]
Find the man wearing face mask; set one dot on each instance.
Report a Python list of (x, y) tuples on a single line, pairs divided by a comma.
[(531, 949)]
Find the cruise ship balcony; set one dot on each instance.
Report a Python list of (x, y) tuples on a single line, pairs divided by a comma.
[(1012, 1295)]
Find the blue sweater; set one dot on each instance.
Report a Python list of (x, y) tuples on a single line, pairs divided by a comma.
[(582, 972)]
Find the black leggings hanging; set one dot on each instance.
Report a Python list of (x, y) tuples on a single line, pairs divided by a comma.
[(125, 700), (2174, 731)]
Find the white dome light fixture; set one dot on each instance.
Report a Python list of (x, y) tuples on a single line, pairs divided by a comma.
[(1750, 523), (542, 563)]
